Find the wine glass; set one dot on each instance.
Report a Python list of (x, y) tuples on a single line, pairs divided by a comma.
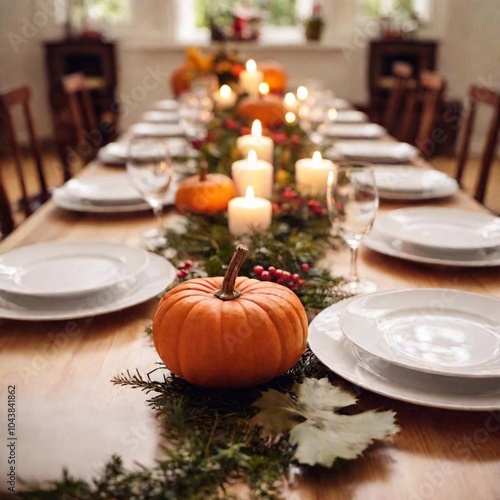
[(313, 118), (150, 170), (352, 205)]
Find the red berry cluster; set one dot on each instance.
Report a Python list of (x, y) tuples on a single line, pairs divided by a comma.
[(291, 201), (183, 270), (285, 278)]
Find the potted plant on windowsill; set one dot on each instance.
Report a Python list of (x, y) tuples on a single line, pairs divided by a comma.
[(314, 25)]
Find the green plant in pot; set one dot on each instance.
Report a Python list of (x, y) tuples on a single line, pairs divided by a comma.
[(314, 25)]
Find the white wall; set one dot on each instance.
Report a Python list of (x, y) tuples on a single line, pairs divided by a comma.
[(470, 48)]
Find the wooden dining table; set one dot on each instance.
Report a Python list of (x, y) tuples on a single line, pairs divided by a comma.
[(69, 414)]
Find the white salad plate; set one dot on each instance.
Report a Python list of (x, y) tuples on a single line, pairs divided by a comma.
[(335, 350), (442, 229), (355, 130), (351, 116), (104, 189), (166, 105), (394, 247), (69, 268), (153, 280), (439, 331), (156, 116), (376, 151), (157, 130), (404, 182)]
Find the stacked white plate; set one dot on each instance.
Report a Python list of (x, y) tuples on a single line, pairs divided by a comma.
[(403, 182), (157, 130), (104, 194), (355, 130), (115, 153), (157, 116), (433, 347), (166, 105), (439, 236), (77, 279), (351, 116), (374, 151)]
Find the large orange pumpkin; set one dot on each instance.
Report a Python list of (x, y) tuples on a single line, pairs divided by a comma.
[(230, 332), (268, 109), (275, 76), (205, 193)]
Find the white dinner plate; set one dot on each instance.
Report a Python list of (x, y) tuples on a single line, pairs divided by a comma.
[(376, 151), (156, 116), (157, 130), (404, 182), (155, 278), (166, 105), (441, 229), (335, 350), (104, 189), (351, 116), (394, 247), (440, 331), (355, 130), (69, 268)]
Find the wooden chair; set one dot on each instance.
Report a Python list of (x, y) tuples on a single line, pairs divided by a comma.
[(401, 81), (479, 94), (9, 99), (6, 218), (82, 113), (420, 112)]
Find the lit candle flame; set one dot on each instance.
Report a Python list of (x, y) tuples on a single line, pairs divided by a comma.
[(263, 88), (251, 66), (225, 91), (290, 99), (302, 93), (332, 114), (317, 159), (252, 156), (249, 194), (290, 117), (257, 129)]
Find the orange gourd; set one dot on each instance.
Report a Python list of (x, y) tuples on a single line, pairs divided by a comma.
[(204, 193), (230, 332), (179, 80), (268, 109), (275, 76)]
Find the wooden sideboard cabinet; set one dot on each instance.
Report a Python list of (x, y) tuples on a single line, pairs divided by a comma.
[(96, 59)]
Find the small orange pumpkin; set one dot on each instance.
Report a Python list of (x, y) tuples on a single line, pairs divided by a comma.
[(230, 332), (179, 80), (205, 193), (268, 109), (275, 76)]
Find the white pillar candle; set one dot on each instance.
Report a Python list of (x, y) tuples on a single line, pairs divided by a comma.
[(249, 214), (291, 103), (263, 146), (251, 78), (253, 172), (311, 175), (225, 97)]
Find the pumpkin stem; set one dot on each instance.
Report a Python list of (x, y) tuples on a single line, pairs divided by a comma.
[(227, 292), (203, 171)]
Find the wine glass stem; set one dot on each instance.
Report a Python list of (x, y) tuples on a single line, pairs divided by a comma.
[(158, 211), (353, 272)]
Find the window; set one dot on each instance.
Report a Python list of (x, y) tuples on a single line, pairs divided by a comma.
[(400, 10), (80, 11)]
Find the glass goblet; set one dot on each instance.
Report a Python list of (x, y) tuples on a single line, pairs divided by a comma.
[(352, 205), (150, 171)]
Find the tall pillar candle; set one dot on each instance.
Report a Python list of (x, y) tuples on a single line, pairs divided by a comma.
[(253, 172), (249, 214), (311, 175), (263, 146), (251, 78)]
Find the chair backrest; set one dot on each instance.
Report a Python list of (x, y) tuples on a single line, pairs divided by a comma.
[(401, 81), (8, 99), (479, 94), (6, 219), (432, 86), (80, 104)]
